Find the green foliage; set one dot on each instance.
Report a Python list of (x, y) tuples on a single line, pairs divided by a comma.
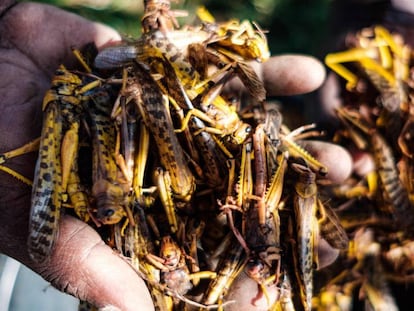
[(124, 19), (294, 26)]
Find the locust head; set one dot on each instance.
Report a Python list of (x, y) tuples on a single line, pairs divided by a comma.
[(110, 199), (256, 269), (170, 252)]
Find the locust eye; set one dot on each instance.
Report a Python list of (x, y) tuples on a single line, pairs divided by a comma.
[(254, 268), (109, 212)]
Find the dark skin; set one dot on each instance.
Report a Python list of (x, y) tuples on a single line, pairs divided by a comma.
[(31, 49)]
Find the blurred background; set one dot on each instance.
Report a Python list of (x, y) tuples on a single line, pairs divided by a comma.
[(23, 290), (292, 26)]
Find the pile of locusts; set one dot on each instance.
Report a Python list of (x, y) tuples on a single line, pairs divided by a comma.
[(193, 186), (376, 209)]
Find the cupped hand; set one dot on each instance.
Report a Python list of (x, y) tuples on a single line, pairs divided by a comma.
[(34, 40)]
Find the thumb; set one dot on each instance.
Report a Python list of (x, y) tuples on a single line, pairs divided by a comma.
[(83, 266)]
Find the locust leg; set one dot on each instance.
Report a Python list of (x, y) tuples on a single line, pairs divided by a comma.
[(274, 191), (29, 147), (71, 183), (400, 62), (335, 60), (163, 182), (376, 57), (144, 196), (295, 150)]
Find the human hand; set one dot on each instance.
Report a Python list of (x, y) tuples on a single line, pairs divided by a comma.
[(36, 39)]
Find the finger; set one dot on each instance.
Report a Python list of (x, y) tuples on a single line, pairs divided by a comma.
[(49, 44), (364, 162), (247, 295), (292, 75), (330, 97), (327, 254), (336, 158), (83, 266), (285, 75)]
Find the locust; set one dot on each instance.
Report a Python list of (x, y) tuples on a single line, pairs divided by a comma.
[(309, 227), (230, 46), (379, 54), (173, 159), (76, 101), (158, 45), (307, 231), (395, 192), (177, 46), (384, 60), (259, 233), (212, 109), (153, 106), (172, 263), (138, 245), (228, 268), (223, 119), (212, 154), (170, 274), (263, 223), (158, 15), (243, 38), (376, 120), (110, 188), (62, 108), (234, 256)]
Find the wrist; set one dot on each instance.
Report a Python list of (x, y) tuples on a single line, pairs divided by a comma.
[(6, 6)]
